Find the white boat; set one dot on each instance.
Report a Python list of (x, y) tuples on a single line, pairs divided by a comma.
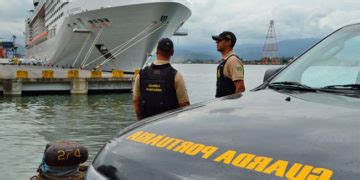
[(111, 34)]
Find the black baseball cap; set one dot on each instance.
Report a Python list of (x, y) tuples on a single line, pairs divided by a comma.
[(226, 35), (166, 45)]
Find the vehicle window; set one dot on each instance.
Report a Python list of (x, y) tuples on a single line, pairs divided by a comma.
[(334, 61), (349, 55), (321, 76)]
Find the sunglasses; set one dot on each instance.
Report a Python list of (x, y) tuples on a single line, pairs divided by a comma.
[(219, 40)]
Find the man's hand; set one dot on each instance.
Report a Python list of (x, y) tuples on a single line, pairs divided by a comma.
[(136, 107), (184, 104), (239, 86)]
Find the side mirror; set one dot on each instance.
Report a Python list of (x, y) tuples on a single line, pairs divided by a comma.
[(270, 72)]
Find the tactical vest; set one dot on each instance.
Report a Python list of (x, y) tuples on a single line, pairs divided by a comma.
[(158, 93), (224, 85)]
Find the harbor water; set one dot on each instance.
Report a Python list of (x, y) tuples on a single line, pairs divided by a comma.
[(28, 123)]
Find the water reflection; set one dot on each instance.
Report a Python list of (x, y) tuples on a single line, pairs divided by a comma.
[(29, 123)]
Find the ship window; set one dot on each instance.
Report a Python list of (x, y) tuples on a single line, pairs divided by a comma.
[(107, 20)]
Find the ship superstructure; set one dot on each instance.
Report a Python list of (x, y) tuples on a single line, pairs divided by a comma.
[(112, 34)]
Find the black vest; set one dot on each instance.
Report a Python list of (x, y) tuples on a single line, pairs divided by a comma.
[(158, 93), (224, 85)]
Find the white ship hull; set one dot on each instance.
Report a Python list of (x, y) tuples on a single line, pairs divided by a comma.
[(126, 39)]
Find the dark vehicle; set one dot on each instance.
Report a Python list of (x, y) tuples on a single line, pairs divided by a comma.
[(303, 122)]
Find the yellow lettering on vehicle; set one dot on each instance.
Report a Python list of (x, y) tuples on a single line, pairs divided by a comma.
[(194, 149), (227, 157), (320, 174), (259, 163), (145, 137), (208, 151), (242, 160), (154, 140), (293, 172), (164, 142), (173, 144), (246, 161), (183, 147), (135, 135), (279, 168)]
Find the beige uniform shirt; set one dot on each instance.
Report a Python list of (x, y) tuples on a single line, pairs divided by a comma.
[(233, 69), (181, 92)]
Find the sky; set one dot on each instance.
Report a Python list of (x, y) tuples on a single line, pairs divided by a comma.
[(248, 19)]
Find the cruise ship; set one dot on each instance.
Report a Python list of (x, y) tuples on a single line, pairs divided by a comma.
[(106, 34)]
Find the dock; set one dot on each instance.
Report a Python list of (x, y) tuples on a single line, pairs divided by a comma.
[(17, 80)]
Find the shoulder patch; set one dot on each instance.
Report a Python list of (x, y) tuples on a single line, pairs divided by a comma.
[(238, 68)]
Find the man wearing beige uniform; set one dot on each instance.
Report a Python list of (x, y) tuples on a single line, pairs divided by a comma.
[(230, 72), (159, 87)]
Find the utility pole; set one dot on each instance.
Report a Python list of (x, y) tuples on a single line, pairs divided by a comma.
[(1, 48), (14, 45), (270, 49)]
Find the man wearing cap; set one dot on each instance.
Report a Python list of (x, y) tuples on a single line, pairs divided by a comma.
[(159, 87), (230, 72)]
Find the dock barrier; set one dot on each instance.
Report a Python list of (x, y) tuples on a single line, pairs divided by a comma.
[(96, 74), (22, 74), (73, 74), (18, 80), (48, 74), (117, 74)]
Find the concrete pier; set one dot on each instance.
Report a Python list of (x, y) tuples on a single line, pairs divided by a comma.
[(12, 87), (16, 80), (79, 87)]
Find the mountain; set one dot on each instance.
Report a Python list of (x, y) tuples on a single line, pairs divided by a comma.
[(287, 48)]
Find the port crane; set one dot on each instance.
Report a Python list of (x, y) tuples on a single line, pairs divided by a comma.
[(8, 46)]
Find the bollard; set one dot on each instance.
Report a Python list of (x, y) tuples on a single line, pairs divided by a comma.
[(72, 74), (65, 153), (96, 74), (62, 160), (48, 74), (117, 74), (21, 74)]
